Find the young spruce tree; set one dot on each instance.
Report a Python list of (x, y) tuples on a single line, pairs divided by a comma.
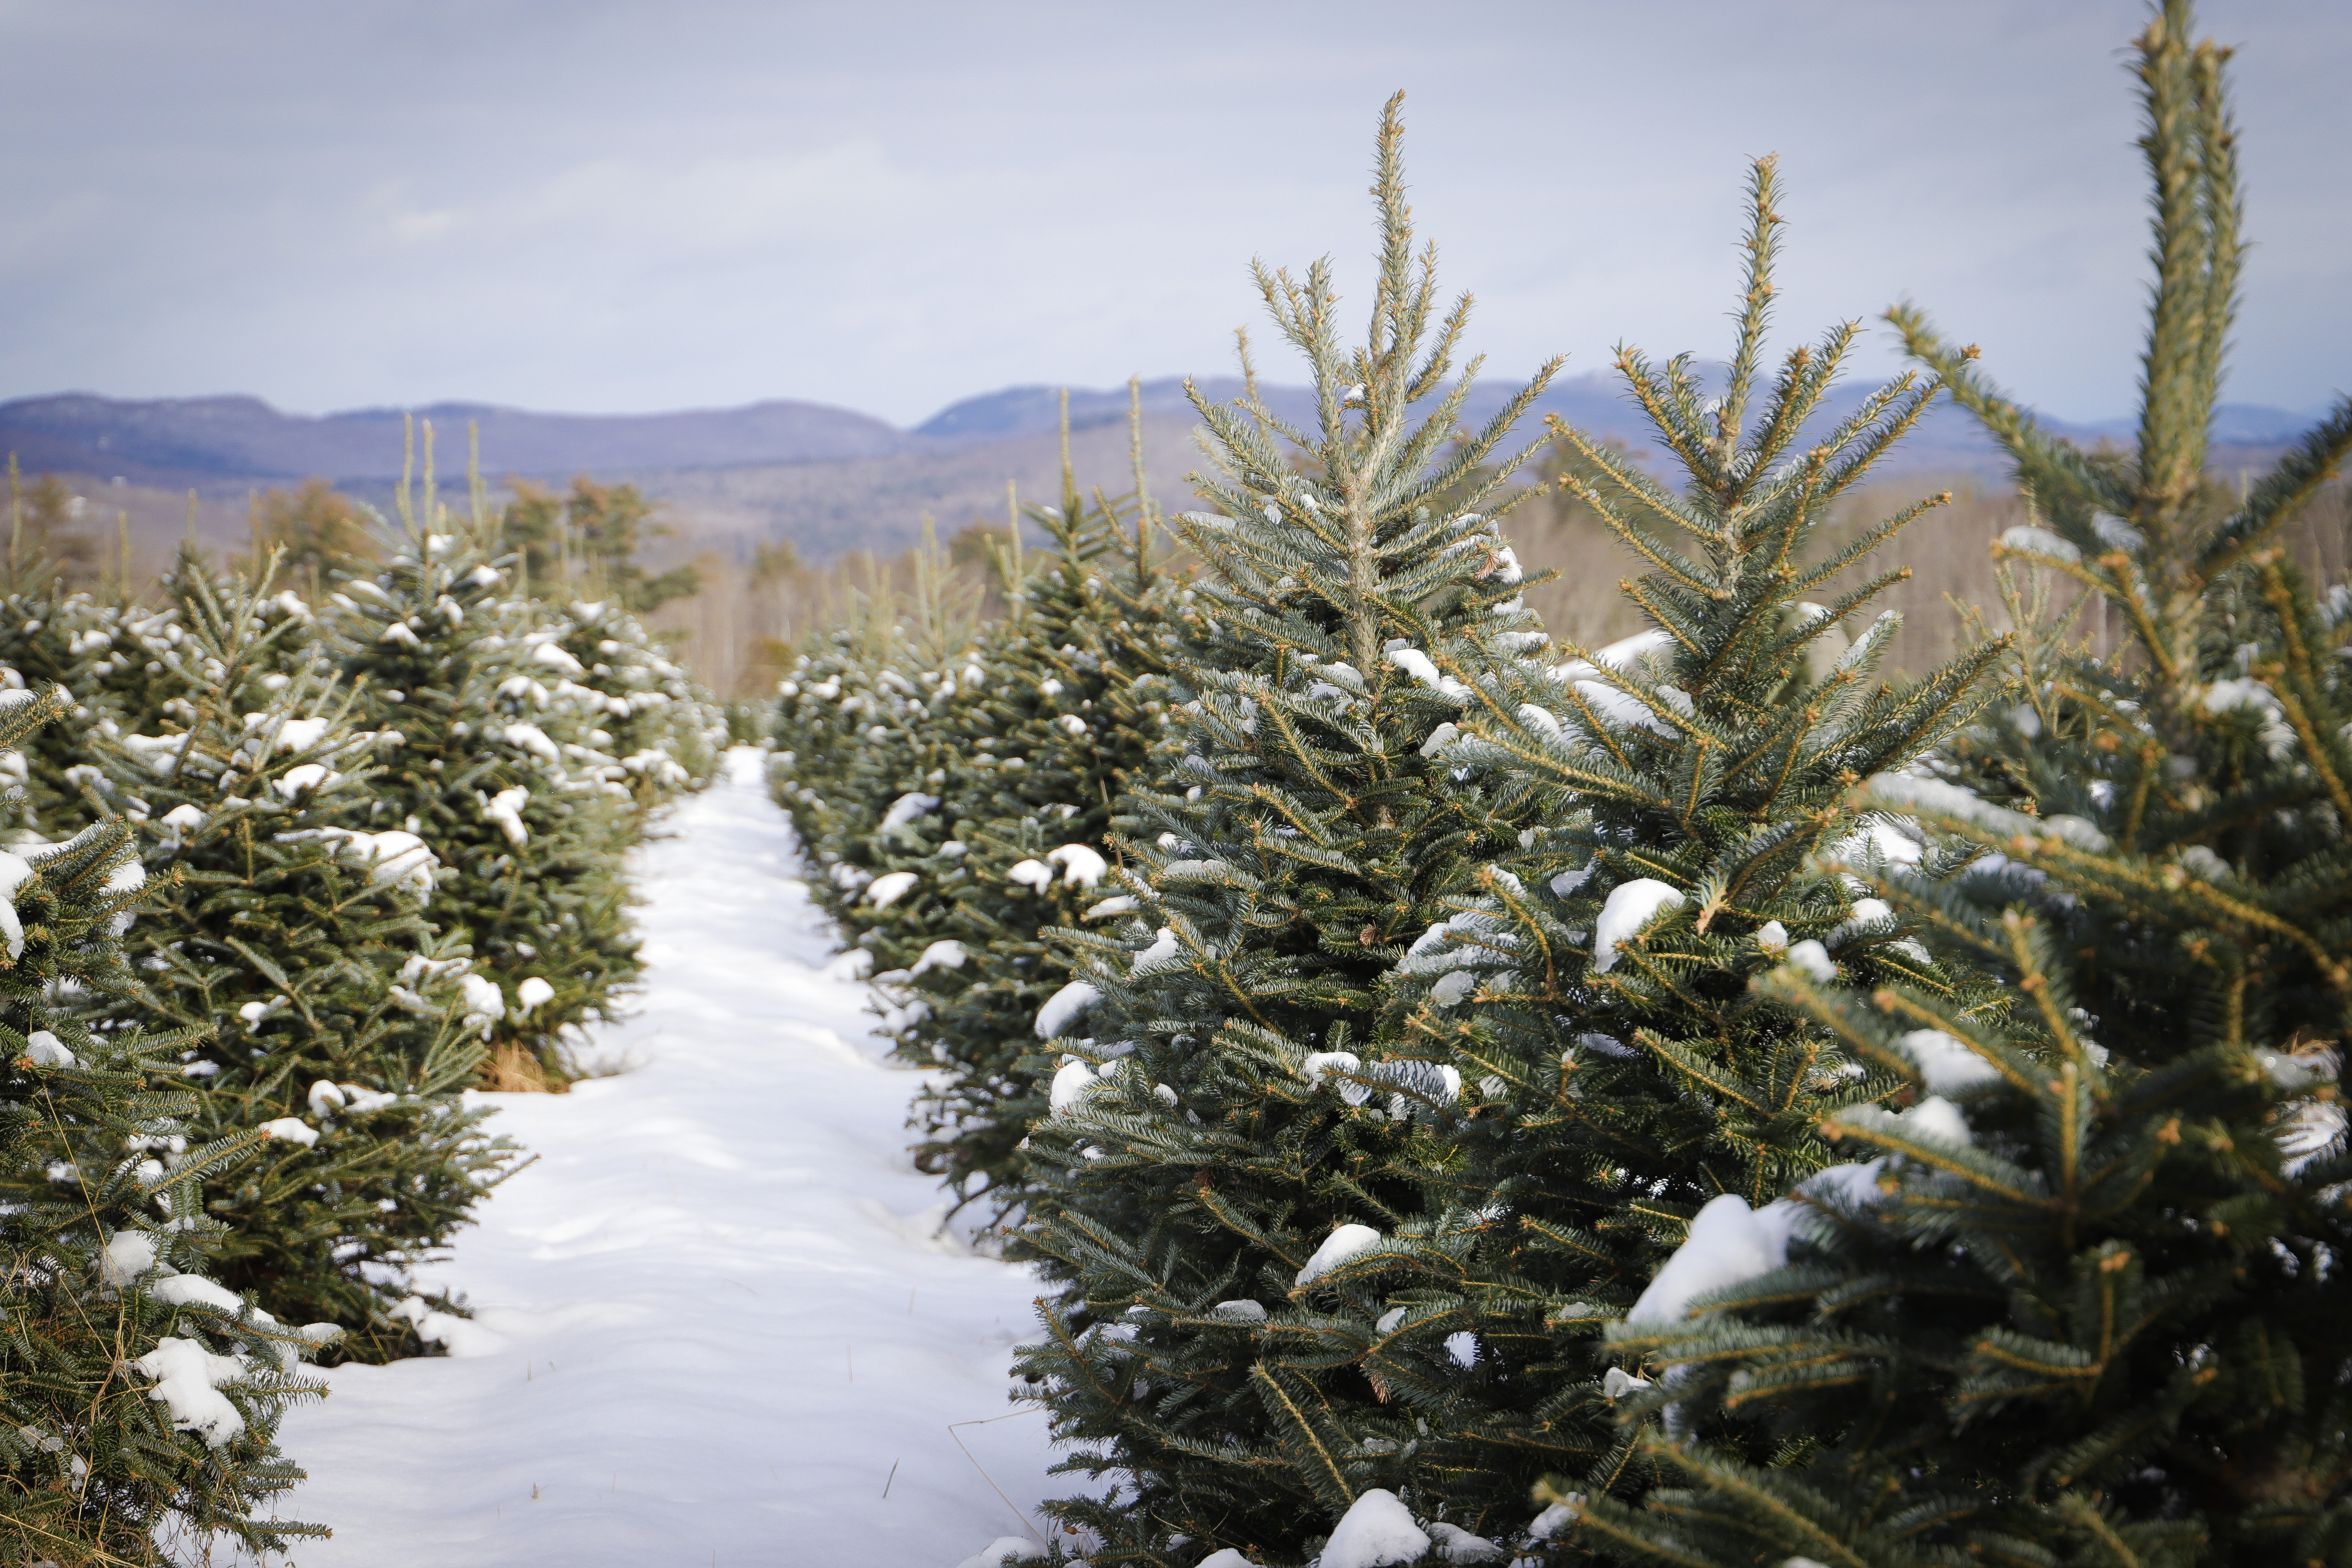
[(872, 735), (663, 733), (301, 933), (51, 636), (1200, 1164), (533, 833), (1073, 687), (1589, 983), (2093, 1310), (136, 1395)]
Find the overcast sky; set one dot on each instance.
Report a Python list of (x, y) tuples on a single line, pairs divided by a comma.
[(574, 205)]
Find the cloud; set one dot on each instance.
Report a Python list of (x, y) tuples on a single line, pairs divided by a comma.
[(47, 233), (422, 228), (598, 205)]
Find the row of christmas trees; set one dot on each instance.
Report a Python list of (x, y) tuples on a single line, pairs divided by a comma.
[(1704, 1100), (282, 880)]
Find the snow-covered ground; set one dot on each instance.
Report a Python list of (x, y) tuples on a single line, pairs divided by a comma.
[(711, 1325)]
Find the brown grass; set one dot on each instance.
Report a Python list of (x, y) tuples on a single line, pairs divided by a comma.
[(516, 1069), (741, 632), (1948, 552)]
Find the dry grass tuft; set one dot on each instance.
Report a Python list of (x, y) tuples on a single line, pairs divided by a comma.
[(516, 1069)]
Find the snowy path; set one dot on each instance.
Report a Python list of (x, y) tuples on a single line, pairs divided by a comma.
[(709, 1324)]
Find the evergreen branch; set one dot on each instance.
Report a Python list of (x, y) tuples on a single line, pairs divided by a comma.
[(1908, 406), (1943, 703), (2050, 468), (2302, 692), (1441, 353), (1793, 753), (1762, 246), (1576, 1242), (1785, 732), (2281, 492), (1672, 413), (1869, 541), (1676, 568), (1624, 1530), (1796, 393), (1694, 1069), (1986, 1172), (2012, 1066), (1740, 636), (1324, 1473), (2088, 1518), (1563, 772), (1474, 452), (2187, 315), (2133, 878), (1611, 465), (1793, 1518), (2125, 587)]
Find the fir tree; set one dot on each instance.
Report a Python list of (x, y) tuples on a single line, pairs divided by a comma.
[(815, 738), (816, 734), (137, 1396), (1071, 686), (2084, 1304), (50, 635), (535, 844), (303, 934), (1587, 982), (867, 722), (594, 664), (587, 542), (1200, 1160)]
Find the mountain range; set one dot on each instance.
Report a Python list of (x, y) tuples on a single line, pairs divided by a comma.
[(828, 479)]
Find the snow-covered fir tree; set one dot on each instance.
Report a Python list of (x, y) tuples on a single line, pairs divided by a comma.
[(1063, 716), (1212, 1160), (579, 650), (533, 832), (51, 636), (817, 729), (1588, 981), (2083, 1304), (295, 935), (641, 708), (138, 1393), (867, 727)]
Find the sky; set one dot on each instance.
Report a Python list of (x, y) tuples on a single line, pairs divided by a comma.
[(588, 206)]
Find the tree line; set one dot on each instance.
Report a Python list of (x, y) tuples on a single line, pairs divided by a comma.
[(1707, 1099), (297, 852)]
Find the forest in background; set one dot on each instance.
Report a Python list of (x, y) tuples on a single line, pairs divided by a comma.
[(752, 600)]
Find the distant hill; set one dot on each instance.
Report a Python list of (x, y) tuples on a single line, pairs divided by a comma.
[(207, 442), (1947, 440), (1591, 402), (831, 479)]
